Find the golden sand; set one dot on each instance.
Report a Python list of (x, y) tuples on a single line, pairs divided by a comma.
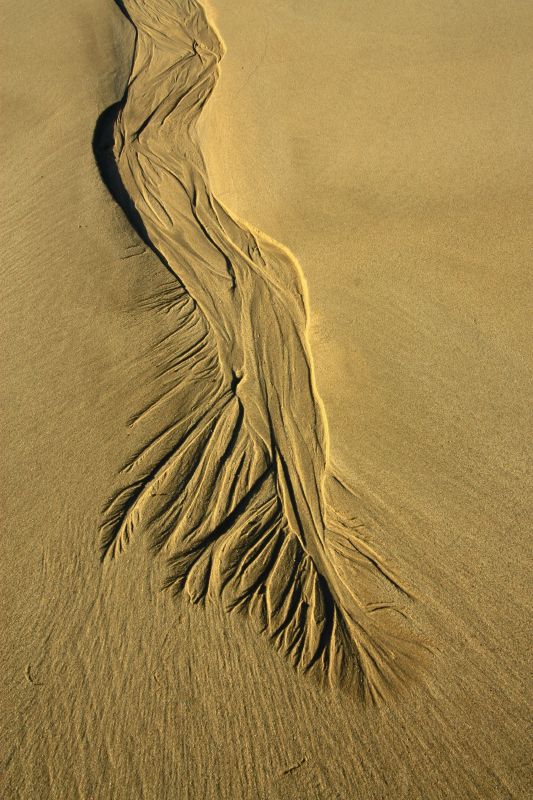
[(163, 353)]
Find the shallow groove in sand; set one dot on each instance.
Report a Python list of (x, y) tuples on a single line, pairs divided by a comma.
[(236, 489)]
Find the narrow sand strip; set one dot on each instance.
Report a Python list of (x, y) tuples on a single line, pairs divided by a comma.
[(236, 490)]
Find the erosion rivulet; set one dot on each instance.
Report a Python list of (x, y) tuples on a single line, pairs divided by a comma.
[(237, 490)]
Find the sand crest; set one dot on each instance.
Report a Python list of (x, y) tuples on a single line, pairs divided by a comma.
[(233, 489)]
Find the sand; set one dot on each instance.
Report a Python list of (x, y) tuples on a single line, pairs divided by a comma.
[(389, 149)]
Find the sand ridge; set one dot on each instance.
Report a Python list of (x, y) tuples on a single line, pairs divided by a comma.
[(234, 490)]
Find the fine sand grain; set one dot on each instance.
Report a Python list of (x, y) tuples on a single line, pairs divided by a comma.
[(164, 361)]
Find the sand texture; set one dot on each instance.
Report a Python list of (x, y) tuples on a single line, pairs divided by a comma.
[(208, 437), (233, 487)]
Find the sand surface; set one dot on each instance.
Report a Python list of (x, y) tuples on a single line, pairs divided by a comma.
[(388, 146)]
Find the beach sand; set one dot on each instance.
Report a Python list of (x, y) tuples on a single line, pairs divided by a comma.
[(389, 147)]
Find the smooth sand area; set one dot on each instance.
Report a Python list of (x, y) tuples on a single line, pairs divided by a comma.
[(389, 147)]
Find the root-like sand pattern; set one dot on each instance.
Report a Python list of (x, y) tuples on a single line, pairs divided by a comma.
[(236, 489)]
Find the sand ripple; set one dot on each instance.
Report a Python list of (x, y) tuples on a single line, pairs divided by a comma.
[(237, 489)]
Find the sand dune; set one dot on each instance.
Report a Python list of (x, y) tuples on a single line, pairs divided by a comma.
[(387, 145)]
